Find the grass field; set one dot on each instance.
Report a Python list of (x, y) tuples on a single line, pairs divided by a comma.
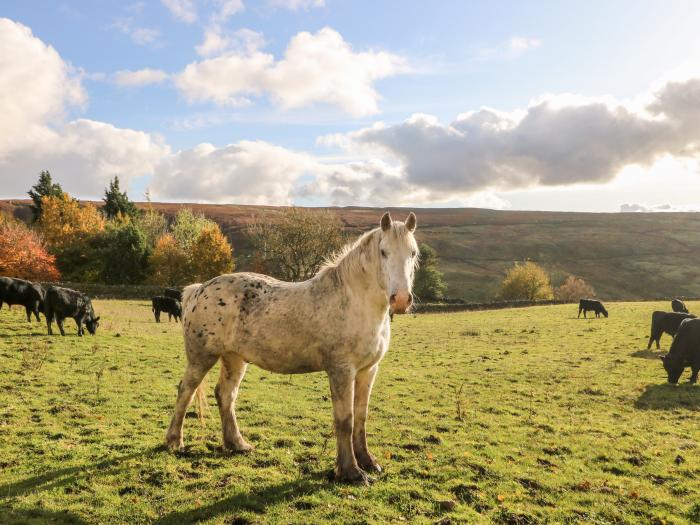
[(515, 416)]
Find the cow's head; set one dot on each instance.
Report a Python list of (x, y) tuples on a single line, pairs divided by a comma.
[(605, 312), (398, 253), (92, 323), (674, 370)]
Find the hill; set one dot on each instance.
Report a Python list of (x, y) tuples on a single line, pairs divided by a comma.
[(623, 255)]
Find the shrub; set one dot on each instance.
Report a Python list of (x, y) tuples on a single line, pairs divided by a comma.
[(526, 281), (573, 289), (23, 255)]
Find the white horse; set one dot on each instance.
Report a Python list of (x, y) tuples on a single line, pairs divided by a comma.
[(337, 322)]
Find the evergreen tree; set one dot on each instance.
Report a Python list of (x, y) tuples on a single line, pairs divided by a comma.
[(125, 255), (428, 283), (116, 201), (44, 188)]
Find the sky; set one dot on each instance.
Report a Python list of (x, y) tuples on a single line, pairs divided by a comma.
[(566, 106)]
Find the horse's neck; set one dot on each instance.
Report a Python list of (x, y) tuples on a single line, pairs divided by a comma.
[(362, 287)]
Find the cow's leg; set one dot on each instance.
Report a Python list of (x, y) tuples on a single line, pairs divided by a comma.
[(363, 389), (59, 322), (579, 312), (694, 373), (155, 315), (28, 309), (79, 322), (36, 313), (170, 317), (342, 382), (584, 313), (49, 317), (185, 393), (651, 340), (232, 371)]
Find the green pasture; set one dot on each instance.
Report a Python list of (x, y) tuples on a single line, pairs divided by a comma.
[(516, 416)]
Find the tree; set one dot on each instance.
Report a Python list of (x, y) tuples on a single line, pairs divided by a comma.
[(65, 222), (429, 283), (526, 281), (44, 188), (153, 225), (187, 226), (125, 256), (168, 263), (295, 247), (211, 255), (23, 255), (573, 289), (116, 202)]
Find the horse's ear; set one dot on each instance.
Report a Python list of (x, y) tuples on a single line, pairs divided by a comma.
[(386, 221), (411, 222)]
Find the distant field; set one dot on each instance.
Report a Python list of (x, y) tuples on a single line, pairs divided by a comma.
[(628, 256), (561, 420)]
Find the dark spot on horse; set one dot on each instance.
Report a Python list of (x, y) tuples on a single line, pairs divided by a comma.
[(259, 285), (221, 303), (217, 288), (200, 334), (212, 333), (194, 307)]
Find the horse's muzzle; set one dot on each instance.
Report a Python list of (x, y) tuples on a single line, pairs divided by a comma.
[(400, 302)]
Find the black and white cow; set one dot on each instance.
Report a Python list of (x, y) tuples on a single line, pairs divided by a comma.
[(175, 293), (679, 306), (61, 303), (19, 291)]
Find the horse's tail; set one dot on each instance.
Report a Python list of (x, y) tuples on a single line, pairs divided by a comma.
[(200, 393)]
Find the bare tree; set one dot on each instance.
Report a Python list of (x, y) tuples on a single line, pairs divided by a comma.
[(294, 247)]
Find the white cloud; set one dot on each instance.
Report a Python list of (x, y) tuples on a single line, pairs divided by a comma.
[(183, 10), (657, 208), (36, 86), (141, 77), (316, 68), (226, 9), (242, 41), (247, 172), (512, 48), (37, 89), (556, 141), (295, 5), (142, 36)]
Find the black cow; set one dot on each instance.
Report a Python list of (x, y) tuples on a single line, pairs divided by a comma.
[(665, 322), (64, 302), (685, 351), (19, 291), (679, 306), (588, 305), (166, 304), (174, 293)]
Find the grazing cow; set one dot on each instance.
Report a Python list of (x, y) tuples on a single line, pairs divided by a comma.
[(19, 291), (685, 351), (679, 306), (588, 305), (64, 302), (665, 322), (166, 304), (174, 293)]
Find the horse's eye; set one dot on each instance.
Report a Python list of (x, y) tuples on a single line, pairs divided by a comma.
[(383, 254), (413, 253)]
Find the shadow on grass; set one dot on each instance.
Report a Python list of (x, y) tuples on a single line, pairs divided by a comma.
[(66, 476), (255, 501), (648, 354), (10, 516), (669, 397)]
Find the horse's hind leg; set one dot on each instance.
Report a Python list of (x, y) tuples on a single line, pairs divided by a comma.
[(185, 393), (232, 371), (363, 388)]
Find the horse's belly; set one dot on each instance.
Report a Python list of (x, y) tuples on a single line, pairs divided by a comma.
[(282, 359)]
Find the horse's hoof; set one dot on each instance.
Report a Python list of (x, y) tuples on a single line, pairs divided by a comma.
[(239, 448), (355, 476), (369, 464), (174, 444)]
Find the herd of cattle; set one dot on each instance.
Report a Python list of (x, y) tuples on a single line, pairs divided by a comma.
[(58, 303), (683, 326)]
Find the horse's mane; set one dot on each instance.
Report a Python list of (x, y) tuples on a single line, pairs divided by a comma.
[(348, 260)]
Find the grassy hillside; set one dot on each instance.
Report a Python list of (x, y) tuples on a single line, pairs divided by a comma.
[(624, 256), (519, 416)]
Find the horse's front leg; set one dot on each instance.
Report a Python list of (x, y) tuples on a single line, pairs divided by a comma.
[(363, 389), (342, 382)]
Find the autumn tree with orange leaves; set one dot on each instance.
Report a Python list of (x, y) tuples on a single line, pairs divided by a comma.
[(23, 255)]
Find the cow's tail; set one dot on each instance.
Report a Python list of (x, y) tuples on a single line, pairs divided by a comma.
[(200, 392)]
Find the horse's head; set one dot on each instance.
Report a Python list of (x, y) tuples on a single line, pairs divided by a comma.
[(399, 254)]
